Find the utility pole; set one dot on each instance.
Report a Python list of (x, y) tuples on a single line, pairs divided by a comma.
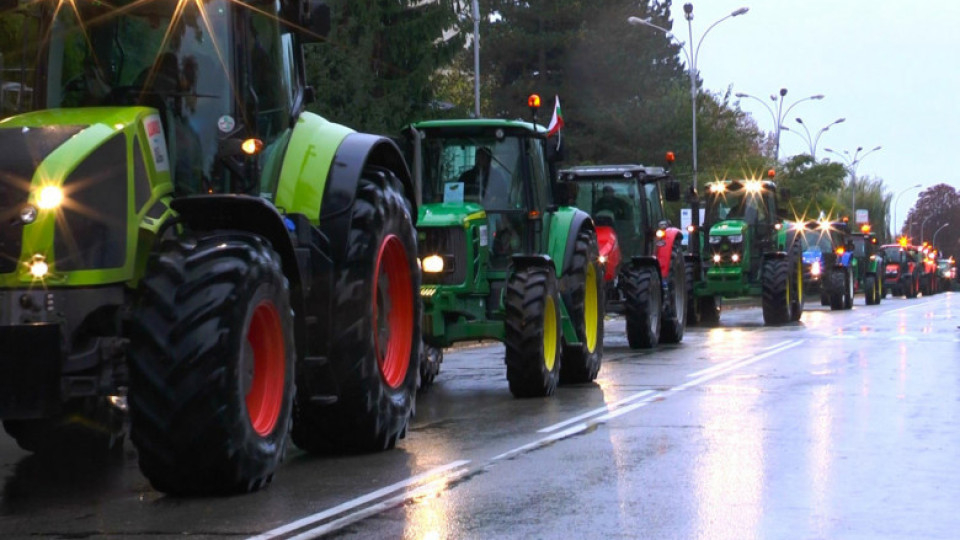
[(476, 58)]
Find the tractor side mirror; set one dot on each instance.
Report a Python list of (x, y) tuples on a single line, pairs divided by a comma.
[(671, 191), (317, 22)]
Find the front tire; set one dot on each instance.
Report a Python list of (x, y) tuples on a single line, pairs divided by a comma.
[(643, 306), (584, 301), (870, 291), (375, 352), (532, 332), (211, 365), (675, 318), (776, 292)]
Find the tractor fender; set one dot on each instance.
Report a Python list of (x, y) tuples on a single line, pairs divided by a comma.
[(356, 152), (767, 255), (567, 224), (664, 249), (646, 261)]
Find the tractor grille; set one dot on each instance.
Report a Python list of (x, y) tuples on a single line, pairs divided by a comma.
[(451, 244), (21, 151), (92, 232)]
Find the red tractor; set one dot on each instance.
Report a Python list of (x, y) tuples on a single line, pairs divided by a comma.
[(641, 250)]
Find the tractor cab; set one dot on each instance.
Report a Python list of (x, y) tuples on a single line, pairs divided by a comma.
[(224, 79), (742, 222)]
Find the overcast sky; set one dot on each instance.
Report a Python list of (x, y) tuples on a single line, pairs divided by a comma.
[(889, 67)]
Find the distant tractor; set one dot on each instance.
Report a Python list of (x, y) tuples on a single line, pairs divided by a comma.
[(947, 272), (185, 247), (840, 277), (748, 250), (645, 273), (901, 274), (818, 256), (869, 266), (502, 257)]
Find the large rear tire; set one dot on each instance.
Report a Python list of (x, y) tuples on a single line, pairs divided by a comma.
[(643, 306), (870, 290), (776, 292), (796, 294), (675, 312), (211, 365), (375, 352), (837, 282), (532, 332), (583, 297), (848, 297)]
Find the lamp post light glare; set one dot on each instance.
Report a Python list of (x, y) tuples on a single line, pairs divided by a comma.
[(691, 56)]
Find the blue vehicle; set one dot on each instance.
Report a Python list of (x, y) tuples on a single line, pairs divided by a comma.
[(817, 256)]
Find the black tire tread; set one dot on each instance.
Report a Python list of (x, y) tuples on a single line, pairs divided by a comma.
[(524, 303), (579, 364), (642, 301)]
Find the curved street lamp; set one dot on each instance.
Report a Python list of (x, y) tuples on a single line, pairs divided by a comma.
[(852, 163), (922, 225), (897, 200), (935, 233), (813, 141), (780, 114), (691, 55)]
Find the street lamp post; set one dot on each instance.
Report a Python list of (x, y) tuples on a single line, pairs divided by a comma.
[(780, 114), (691, 55), (813, 141), (852, 163), (897, 200), (476, 58), (935, 233), (922, 225)]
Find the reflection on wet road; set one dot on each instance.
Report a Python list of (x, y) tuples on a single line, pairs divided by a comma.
[(845, 424)]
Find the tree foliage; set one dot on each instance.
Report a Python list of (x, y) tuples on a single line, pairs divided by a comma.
[(813, 186), (374, 71), (936, 206)]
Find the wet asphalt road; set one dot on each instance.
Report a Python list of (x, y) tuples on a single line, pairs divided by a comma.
[(846, 425)]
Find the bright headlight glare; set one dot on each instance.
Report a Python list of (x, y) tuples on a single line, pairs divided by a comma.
[(433, 264), (38, 267), (815, 268), (735, 257), (49, 197), (716, 258), (602, 259)]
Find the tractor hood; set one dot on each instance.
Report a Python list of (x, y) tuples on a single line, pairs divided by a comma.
[(731, 227), (71, 183), (449, 214)]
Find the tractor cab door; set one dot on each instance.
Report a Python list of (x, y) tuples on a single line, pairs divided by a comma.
[(652, 214)]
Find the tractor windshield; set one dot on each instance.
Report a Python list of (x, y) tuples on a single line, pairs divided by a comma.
[(738, 204), (893, 254), (175, 57), (480, 170), (818, 241)]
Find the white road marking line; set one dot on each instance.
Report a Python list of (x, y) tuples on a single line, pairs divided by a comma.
[(363, 513), (600, 410), (742, 363), (723, 365), (569, 432), (429, 476)]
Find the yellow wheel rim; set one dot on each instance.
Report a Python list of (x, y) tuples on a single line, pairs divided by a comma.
[(799, 282), (590, 309), (549, 333)]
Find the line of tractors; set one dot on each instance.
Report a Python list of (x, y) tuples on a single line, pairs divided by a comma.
[(190, 258)]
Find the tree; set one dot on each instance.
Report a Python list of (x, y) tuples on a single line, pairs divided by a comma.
[(936, 206), (872, 196), (813, 186), (374, 72)]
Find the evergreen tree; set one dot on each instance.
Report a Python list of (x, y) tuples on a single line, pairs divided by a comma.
[(936, 206), (374, 71)]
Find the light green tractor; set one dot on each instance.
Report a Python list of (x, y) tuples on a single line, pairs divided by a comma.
[(178, 247)]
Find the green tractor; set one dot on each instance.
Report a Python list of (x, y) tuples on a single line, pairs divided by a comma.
[(869, 266), (501, 258), (747, 250), (644, 269), (179, 250)]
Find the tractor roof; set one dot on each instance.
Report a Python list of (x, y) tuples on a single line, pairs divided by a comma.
[(596, 172), (469, 125)]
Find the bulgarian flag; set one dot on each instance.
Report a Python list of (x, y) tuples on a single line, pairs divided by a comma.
[(556, 123)]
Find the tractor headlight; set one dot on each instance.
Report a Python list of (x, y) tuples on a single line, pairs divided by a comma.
[(38, 267), (433, 264), (815, 268), (716, 257), (735, 257), (49, 198), (602, 259)]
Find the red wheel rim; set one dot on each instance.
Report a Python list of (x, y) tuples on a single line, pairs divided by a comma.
[(265, 394), (393, 311)]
